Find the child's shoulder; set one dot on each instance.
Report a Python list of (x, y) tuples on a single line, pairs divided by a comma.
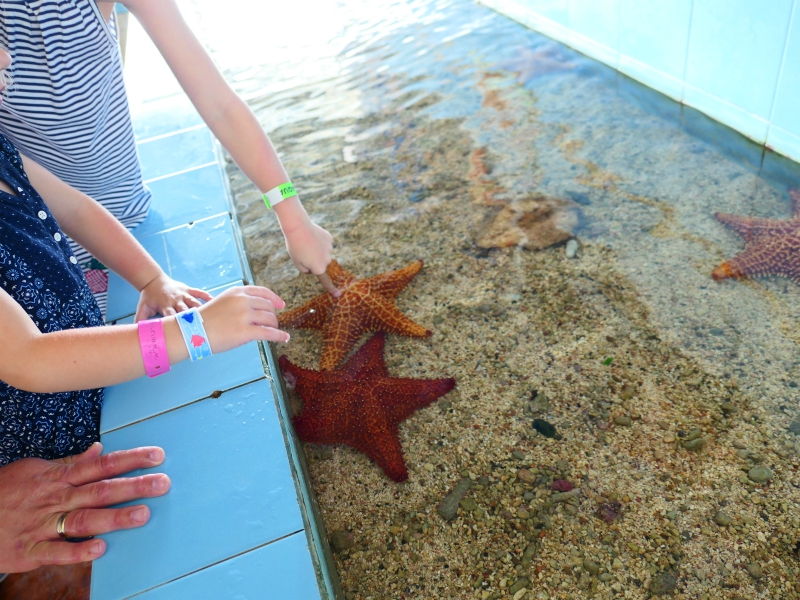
[(9, 154)]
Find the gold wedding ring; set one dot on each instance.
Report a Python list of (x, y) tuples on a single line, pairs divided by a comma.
[(62, 521)]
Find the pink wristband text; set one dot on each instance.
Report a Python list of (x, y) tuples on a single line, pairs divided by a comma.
[(154, 347)]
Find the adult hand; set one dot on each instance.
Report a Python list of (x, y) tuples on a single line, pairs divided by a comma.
[(240, 315), (34, 493), (164, 296)]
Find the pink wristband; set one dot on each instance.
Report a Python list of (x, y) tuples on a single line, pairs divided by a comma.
[(154, 348)]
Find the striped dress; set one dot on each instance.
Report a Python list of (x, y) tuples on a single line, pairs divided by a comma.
[(68, 109)]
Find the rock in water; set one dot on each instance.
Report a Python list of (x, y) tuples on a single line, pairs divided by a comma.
[(663, 584), (759, 474), (591, 567), (535, 222), (696, 444), (572, 248), (722, 519), (341, 540), (609, 511), (449, 506), (546, 429), (561, 485)]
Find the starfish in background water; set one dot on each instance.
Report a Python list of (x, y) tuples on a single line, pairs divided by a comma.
[(365, 305), (530, 63), (772, 246), (360, 405)]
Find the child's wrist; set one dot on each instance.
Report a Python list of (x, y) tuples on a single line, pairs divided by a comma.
[(160, 274), (153, 347), (194, 334), (291, 216)]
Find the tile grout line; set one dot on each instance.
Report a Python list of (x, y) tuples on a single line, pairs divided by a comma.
[(166, 135), (181, 172), (219, 562), (686, 57), (792, 16), (174, 408)]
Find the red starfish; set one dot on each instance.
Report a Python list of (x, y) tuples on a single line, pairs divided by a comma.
[(365, 305), (772, 246), (358, 404)]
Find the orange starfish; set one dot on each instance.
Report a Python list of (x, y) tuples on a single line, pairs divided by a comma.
[(360, 405), (772, 246), (365, 305)]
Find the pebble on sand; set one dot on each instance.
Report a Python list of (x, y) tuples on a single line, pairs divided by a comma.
[(722, 519), (561, 485), (572, 248), (755, 571), (759, 474), (520, 583), (663, 584), (696, 444), (592, 567), (449, 506), (547, 429), (564, 496), (623, 421), (609, 511), (342, 540)]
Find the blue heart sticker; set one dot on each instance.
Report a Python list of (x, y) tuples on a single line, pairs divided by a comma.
[(188, 317)]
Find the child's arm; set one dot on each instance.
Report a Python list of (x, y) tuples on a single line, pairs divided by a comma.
[(236, 127), (94, 228), (78, 359)]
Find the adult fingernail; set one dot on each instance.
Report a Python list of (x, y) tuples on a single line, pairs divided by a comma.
[(161, 484), (96, 549), (156, 455), (139, 515)]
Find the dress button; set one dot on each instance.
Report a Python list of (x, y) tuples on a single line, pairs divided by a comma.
[(73, 260), (57, 236), (42, 215), (19, 189)]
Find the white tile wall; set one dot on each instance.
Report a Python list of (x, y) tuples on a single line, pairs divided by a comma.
[(738, 61)]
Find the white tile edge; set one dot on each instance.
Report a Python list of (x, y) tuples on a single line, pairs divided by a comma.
[(784, 142), (530, 18), (746, 123), (756, 128), (651, 77), (593, 49)]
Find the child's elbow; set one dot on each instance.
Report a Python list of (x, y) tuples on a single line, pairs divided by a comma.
[(25, 381)]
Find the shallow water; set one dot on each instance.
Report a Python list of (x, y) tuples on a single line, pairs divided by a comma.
[(438, 130)]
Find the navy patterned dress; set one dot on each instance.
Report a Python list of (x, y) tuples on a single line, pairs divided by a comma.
[(38, 270)]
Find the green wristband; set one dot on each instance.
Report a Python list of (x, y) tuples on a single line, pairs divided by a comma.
[(278, 194)]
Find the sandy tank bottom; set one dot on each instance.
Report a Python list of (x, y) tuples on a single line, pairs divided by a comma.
[(684, 469)]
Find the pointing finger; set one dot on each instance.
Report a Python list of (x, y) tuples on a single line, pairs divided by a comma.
[(326, 282)]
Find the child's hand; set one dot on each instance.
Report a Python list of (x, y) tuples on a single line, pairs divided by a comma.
[(165, 296), (310, 247), (240, 315)]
